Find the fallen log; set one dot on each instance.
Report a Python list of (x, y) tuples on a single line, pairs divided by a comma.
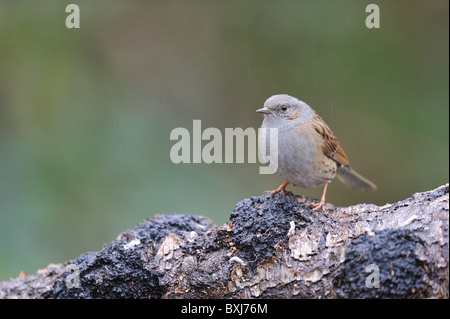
[(271, 247)]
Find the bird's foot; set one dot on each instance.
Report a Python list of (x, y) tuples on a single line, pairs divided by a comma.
[(318, 206), (282, 188)]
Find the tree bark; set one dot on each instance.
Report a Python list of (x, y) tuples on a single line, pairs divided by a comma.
[(271, 247)]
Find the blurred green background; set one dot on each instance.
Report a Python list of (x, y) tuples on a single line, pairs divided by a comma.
[(86, 114)]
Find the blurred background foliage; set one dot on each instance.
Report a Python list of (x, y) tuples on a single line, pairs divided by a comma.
[(86, 114)]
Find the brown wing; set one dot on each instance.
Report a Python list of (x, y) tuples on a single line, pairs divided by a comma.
[(331, 146)]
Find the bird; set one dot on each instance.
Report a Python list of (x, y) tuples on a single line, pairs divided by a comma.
[(308, 153)]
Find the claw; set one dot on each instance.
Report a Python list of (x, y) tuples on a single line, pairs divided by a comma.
[(319, 205), (279, 189)]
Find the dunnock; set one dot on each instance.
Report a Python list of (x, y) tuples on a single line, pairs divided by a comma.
[(309, 154)]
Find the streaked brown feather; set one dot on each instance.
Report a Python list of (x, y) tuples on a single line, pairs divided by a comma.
[(331, 146)]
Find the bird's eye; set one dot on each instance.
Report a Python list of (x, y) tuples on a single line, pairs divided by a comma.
[(284, 108)]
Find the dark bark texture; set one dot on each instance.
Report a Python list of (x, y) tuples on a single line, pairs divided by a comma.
[(271, 247)]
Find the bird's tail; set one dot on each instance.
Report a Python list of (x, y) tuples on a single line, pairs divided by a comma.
[(352, 179)]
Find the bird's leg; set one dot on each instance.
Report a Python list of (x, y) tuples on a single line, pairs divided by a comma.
[(321, 201), (279, 189)]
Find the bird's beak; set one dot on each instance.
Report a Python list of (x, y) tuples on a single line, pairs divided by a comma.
[(264, 110)]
